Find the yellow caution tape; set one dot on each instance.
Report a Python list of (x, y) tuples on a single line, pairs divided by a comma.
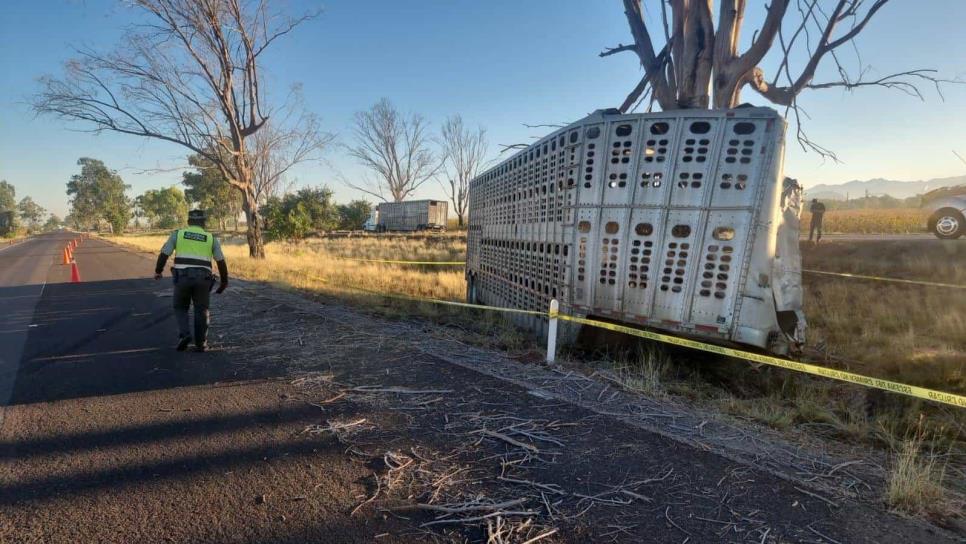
[(895, 387), (385, 261), (878, 278), (951, 399)]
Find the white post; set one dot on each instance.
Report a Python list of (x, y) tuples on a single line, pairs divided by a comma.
[(552, 332)]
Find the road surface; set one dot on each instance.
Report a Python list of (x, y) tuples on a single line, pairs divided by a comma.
[(109, 435)]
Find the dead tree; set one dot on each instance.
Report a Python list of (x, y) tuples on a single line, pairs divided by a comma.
[(697, 62), (464, 151), (395, 148), (191, 75)]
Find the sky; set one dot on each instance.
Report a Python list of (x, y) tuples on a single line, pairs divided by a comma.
[(500, 64)]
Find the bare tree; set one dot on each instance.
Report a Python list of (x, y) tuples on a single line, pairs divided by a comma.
[(464, 151), (191, 75), (395, 148), (697, 63)]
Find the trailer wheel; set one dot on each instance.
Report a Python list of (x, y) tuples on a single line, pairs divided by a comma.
[(471, 296)]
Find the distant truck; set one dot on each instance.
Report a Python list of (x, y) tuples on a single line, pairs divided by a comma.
[(408, 216)]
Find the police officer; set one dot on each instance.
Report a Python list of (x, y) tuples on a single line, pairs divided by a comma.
[(818, 214), (193, 250)]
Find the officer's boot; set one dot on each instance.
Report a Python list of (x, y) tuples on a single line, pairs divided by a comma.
[(201, 328)]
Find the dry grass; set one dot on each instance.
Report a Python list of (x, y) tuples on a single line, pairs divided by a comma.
[(916, 479), (326, 265), (883, 221), (914, 334)]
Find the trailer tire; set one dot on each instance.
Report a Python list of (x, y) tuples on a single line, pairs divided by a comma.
[(471, 295)]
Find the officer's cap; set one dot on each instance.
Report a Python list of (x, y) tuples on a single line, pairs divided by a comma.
[(197, 215)]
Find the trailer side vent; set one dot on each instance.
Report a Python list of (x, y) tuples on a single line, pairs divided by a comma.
[(660, 128), (700, 127), (681, 231), (744, 128), (723, 233)]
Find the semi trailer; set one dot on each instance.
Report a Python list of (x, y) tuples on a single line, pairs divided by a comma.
[(678, 221), (408, 215)]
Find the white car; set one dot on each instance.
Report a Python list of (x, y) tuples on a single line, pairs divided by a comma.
[(948, 218)]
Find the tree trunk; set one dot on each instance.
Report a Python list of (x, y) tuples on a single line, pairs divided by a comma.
[(459, 220), (256, 247)]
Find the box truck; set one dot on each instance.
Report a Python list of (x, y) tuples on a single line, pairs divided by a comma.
[(408, 216)]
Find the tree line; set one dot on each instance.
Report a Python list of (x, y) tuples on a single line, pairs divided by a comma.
[(99, 200), (22, 215)]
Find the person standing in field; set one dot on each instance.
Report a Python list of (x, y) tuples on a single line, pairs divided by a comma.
[(817, 210), (193, 249)]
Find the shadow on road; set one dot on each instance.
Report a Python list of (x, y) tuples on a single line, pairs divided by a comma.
[(103, 338)]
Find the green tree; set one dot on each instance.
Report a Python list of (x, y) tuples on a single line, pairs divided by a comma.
[(8, 197), (30, 212), (163, 208), (97, 194), (8, 208), (53, 223), (207, 188), (354, 214), (296, 214)]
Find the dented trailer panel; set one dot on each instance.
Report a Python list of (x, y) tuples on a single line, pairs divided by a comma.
[(669, 220)]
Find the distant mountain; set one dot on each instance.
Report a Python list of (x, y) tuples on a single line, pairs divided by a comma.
[(880, 187)]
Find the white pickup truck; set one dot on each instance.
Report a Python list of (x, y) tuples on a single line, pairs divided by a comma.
[(948, 206)]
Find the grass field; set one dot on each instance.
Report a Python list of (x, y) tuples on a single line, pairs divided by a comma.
[(876, 221)]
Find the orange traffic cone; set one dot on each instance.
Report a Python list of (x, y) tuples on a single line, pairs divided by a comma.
[(74, 272), (66, 255)]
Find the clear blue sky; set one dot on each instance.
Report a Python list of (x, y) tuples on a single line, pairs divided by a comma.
[(499, 63)]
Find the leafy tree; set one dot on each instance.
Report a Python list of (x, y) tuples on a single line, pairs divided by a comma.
[(8, 197), (294, 215), (97, 194), (164, 208), (8, 205), (207, 188), (30, 212), (53, 223), (354, 214)]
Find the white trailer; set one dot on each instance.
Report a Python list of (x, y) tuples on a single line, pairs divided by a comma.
[(679, 221), (411, 215)]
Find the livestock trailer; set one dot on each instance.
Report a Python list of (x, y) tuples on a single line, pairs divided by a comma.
[(679, 221), (410, 215)]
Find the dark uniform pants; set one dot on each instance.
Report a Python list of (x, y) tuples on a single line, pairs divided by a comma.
[(815, 226), (192, 286)]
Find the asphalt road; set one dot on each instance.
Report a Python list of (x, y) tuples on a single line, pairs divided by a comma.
[(109, 435)]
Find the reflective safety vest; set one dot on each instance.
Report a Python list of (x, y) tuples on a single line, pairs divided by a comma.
[(193, 248)]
